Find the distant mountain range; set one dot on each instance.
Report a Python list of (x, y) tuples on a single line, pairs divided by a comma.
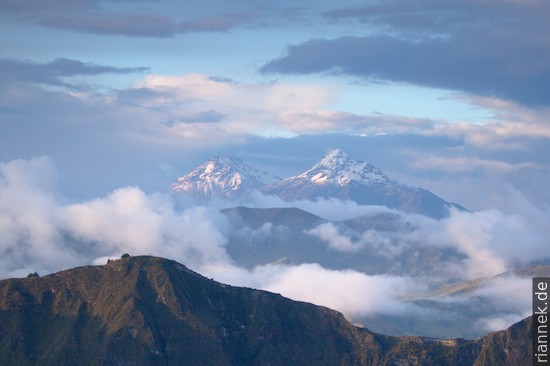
[(263, 236), (153, 311), (260, 236), (336, 175)]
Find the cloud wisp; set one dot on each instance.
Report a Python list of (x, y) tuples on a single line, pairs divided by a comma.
[(55, 73), (96, 17)]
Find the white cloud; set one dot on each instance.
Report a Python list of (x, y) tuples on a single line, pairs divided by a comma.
[(42, 232), (511, 126), (491, 241), (353, 293), (381, 243), (30, 236), (248, 108), (129, 220), (494, 242), (508, 299), (328, 208), (329, 233)]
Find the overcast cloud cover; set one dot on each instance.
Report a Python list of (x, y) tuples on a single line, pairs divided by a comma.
[(104, 103)]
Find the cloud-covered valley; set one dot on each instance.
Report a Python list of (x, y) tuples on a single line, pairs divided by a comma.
[(45, 231)]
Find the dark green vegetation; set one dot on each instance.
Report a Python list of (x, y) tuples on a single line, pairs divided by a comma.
[(153, 311)]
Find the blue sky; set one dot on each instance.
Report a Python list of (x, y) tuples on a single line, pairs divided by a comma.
[(452, 96)]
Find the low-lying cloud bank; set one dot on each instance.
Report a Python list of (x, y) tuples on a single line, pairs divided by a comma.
[(42, 231)]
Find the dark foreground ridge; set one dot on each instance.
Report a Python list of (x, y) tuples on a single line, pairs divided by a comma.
[(154, 311)]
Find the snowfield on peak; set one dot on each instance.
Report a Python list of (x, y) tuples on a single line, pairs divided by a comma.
[(336, 175), (223, 177), (337, 168)]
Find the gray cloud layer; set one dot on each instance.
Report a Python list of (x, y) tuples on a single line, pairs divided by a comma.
[(484, 48), (97, 17), (51, 73)]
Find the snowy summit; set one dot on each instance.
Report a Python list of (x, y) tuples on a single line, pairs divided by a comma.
[(223, 177), (337, 168), (336, 175)]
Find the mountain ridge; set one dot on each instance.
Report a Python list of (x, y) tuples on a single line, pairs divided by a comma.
[(336, 175), (153, 311)]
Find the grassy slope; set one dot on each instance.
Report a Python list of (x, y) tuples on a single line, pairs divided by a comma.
[(152, 311)]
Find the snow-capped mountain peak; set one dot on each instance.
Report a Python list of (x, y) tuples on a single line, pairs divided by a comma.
[(336, 175), (333, 160), (223, 177), (336, 167)]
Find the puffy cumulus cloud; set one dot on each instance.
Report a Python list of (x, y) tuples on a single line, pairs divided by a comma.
[(353, 293), (380, 242), (263, 232), (41, 232), (493, 242), (475, 236), (487, 242), (27, 217), (492, 238), (20, 176), (490, 241), (129, 220), (330, 233)]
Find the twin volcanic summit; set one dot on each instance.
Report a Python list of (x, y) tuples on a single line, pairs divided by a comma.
[(336, 175)]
